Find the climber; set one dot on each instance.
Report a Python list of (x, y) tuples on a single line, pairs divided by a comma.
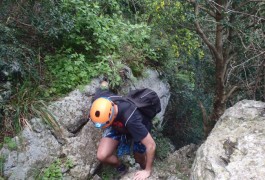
[(119, 128)]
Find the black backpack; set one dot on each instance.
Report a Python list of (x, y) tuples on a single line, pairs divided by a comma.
[(146, 100)]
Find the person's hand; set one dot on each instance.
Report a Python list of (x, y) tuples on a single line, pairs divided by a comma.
[(104, 85), (141, 175)]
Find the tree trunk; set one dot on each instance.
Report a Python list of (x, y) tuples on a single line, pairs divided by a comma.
[(219, 104), (226, 48)]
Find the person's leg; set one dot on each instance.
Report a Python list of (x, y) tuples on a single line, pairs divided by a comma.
[(107, 146), (105, 154), (139, 152), (140, 158), (106, 149)]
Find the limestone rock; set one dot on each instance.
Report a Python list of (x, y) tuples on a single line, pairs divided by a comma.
[(235, 149), (73, 138)]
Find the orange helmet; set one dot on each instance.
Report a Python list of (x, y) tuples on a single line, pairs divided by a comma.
[(102, 112)]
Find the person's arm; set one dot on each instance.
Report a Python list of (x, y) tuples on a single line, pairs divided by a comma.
[(150, 145)]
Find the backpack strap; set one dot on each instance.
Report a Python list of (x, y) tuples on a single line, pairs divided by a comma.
[(130, 116), (117, 98)]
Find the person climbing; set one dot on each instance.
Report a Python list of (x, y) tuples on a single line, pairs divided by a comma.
[(119, 127)]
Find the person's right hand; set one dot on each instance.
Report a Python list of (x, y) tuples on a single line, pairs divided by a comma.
[(142, 175)]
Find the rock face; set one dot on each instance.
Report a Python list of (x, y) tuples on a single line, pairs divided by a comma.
[(72, 140), (235, 149), (175, 167)]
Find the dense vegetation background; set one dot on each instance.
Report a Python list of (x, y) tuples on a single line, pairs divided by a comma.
[(211, 52)]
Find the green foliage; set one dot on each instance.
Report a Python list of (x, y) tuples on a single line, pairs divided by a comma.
[(50, 21), (177, 48), (163, 144), (107, 172), (11, 143), (2, 161), (40, 109), (242, 44), (68, 72), (98, 44), (181, 48), (18, 62), (163, 147), (21, 70), (51, 47), (183, 118), (42, 19), (176, 40), (69, 163), (54, 171), (19, 108)]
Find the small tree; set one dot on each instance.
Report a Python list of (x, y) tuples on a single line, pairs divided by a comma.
[(234, 34), (232, 31)]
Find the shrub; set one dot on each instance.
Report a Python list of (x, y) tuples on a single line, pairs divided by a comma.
[(98, 44), (11, 143), (54, 171)]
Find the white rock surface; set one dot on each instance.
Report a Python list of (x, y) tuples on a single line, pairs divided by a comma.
[(235, 149)]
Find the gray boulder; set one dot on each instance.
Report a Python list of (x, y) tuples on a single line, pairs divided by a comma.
[(235, 149), (71, 140), (175, 167)]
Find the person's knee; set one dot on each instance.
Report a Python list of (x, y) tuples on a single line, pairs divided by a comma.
[(101, 156)]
